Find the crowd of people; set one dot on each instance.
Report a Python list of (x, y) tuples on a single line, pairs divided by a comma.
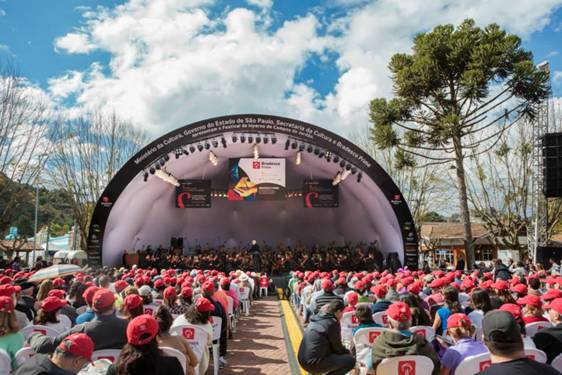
[(131, 310), (467, 313)]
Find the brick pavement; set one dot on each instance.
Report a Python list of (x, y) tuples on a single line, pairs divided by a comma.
[(258, 346)]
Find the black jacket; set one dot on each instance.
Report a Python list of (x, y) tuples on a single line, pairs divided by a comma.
[(321, 338), (40, 364), (502, 272), (164, 366), (549, 340)]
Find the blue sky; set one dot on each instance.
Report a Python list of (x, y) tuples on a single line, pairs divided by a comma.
[(333, 66)]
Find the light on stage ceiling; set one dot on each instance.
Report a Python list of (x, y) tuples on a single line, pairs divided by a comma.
[(342, 163), (348, 167), (178, 154), (234, 139), (328, 157), (294, 145), (215, 143), (316, 151), (145, 176), (336, 158), (167, 157), (309, 149), (192, 149), (207, 146), (242, 138), (213, 158), (256, 152), (258, 139), (299, 158), (200, 147), (337, 179), (152, 170), (301, 147), (163, 161), (345, 173), (265, 140), (250, 139), (353, 170), (287, 144), (359, 176), (273, 140), (321, 154), (223, 141), (185, 151)]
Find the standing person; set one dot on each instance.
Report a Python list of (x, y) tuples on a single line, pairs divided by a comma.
[(141, 355), (321, 350), (503, 338), (255, 251), (460, 264), (501, 271), (554, 267), (549, 340), (72, 354)]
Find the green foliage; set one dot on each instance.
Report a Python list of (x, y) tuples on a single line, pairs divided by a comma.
[(432, 216)]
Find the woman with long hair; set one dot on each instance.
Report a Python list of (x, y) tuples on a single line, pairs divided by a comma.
[(419, 315), (75, 294), (141, 355), (11, 340), (481, 303), (452, 306), (43, 292), (48, 314), (132, 307), (164, 319)]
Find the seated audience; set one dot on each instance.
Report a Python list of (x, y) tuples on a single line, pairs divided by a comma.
[(132, 307), (48, 314), (11, 340), (452, 306), (532, 312), (549, 340), (89, 313)]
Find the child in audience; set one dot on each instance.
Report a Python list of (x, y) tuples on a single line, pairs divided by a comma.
[(11, 340), (48, 314)]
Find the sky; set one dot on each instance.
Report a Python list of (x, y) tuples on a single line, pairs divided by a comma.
[(165, 63)]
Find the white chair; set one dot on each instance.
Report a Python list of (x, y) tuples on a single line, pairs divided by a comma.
[(230, 313), (5, 363), (109, 354), (81, 310), (216, 322), (65, 320), (381, 318), (557, 362), (264, 285), (44, 330), (474, 364), (347, 323), (196, 336), (363, 341), (424, 331), (245, 300), (406, 365), (23, 355), (171, 352), (533, 328), (150, 309), (536, 355)]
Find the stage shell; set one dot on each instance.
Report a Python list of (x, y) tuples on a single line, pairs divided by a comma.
[(133, 213)]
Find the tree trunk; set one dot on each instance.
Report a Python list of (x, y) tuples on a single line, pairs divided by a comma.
[(463, 200)]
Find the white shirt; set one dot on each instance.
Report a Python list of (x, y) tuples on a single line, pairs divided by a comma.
[(476, 317)]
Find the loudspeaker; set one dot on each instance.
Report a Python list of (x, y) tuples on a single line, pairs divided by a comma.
[(544, 253), (176, 243), (552, 164)]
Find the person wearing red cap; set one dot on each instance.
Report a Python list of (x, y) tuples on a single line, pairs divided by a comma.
[(532, 312), (419, 314), (141, 354), (132, 306), (381, 303), (11, 340), (70, 357), (352, 299), (399, 341), (48, 314), (452, 306), (325, 297), (208, 289), (460, 329), (549, 340), (89, 314)]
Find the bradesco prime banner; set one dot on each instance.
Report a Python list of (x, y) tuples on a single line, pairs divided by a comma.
[(193, 194), (256, 179), (320, 193)]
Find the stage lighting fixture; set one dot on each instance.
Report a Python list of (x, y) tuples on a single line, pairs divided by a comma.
[(157, 166), (299, 157), (178, 154), (207, 146), (328, 157), (345, 173), (337, 179), (359, 176), (316, 151), (215, 143), (192, 149), (185, 151), (294, 145), (321, 154), (166, 157), (265, 140), (145, 176), (342, 163), (163, 161), (301, 147), (242, 138), (152, 170), (168, 177), (309, 149), (258, 139), (336, 158), (223, 141), (348, 167), (234, 139), (256, 152), (213, 158), (273, 140), (200, 147), (250, 139), (353, 170), (287, 144)]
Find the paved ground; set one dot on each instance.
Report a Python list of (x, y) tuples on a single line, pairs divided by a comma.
[(258, 346)]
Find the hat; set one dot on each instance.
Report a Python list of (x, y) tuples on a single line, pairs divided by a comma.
[(170, 292), (103, 299), (327, 284), (120, 285), (186, 292), (7, 304), (352, 298), (5, 280), (459, 321), (52, 303), (513, 309), (145, 290), (204, 305), (58, 282), (7, 290), (243, 277), (399, 311), (415, 288), (59, 293), (530, 300), (437, 283), (555, 305), (89, 294), (500, 326), (159, 283), (132, 301), (552, 294), (78, 344), (500, 285), (519, 288), (359, 285), (225, 282), (379, 290), (208, 287), (142, 330)]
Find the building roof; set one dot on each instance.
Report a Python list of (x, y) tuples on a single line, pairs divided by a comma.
[(433, 231), (17, 245)]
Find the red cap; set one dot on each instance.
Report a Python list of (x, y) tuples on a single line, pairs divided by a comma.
[(5, 280), (204, 305), (89, 294), (519, 288), (513, 309), (530, 300), (78, 344), (7, 290), (120, 285), (379, 290), (59, 293), (407, 280), (132, 301), (58, 282), (437, 283), (415, 288), (7, 304), (142, 330), (159, 283), (359, 285), (459, 321), (208, 286), (170, 292), (552, 294), (102, 299), (341, 281), (186, 292), (352, 298), (555, 305), (51, 304), (500, 285), (225, 282), (327, 284), (399, 311)]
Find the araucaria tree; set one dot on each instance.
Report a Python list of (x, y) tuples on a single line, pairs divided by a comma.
[(449, 94)]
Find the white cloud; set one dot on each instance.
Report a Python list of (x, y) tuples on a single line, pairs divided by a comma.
[(2, 12), (557, 76), (62, 87), (265, 4), (552, 54), (75, 43)]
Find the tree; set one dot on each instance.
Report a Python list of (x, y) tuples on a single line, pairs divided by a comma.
[(432, 216), (90, 152), (451, 87)]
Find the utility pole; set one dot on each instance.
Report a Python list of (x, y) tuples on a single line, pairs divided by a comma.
[(36, 218)]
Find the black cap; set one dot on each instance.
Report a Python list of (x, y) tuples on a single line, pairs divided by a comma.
[(500, 326), (24, 284)]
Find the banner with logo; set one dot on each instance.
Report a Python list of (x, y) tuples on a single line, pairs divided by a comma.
[(256, 179), (193, 194), (320, 193)]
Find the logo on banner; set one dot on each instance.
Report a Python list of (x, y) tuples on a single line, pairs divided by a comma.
[(407, 368), (396, 199), (256, 165), (105, 201), (185, 195)]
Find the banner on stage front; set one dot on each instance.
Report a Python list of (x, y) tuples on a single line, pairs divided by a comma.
[(256, 179), (320, 193), (193, 194)]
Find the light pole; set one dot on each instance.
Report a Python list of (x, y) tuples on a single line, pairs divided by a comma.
[(35, 226)]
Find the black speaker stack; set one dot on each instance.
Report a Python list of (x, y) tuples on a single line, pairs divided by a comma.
[(552, 164)]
